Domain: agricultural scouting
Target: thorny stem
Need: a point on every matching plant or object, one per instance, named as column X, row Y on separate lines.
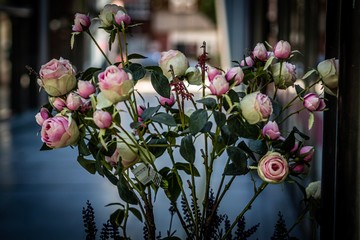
column 97, row 45
column 247, row 207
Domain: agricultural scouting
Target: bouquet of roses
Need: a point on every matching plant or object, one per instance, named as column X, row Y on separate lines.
column 232, row 115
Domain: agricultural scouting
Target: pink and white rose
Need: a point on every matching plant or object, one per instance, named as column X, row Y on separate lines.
column 219, row 85
column 284, row 74
column 42, row 115
column 282, row 50
column 167, row 101
column 82, row 22
column 57, row 77
column 313, row 102
column 176, row 59
column 273, row 167
column 73, row 101
column 260, row 52
column 248, row 61
column 85, row 88
column 122, row 18
column 271, row 130
column 59, row 131
column 58, row 103
column 102, row 119
column 115, row 84
column 108, row 13
column 235, row 73
column 256, row 107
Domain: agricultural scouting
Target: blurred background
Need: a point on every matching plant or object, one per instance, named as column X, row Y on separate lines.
column 42, row 193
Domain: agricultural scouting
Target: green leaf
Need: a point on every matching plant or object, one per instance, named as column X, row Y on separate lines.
column 209, row 102
column 242, row 128
column 112, row 178
column 207, row 127
column 173, row 189
column 198, row 119
column 299, row 90
column 157, row 151
column 161, row 84
column 137, row 71
column 311, row 120
column 228, row 136
column 289, row 142
column 233, row 97
column 164, row 118
column 82, row 147
column 117, row 217
column 220, row 118
column 233, row 170
column 276, row 107
column 186, row 167
column 308, row 74
column 154, row 68
column 242, row 145
column 45, row 147
column 136, row 213
column 268, row 62
column 89, row 73
column 89, row 165
column 258, row 146
column 125, row 193
column 136, row 56
column 238, row 157
column 149, row 112
column 187, row 149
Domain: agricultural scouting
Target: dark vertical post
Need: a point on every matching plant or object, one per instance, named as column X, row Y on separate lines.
column 330, row 127
column 347, row 204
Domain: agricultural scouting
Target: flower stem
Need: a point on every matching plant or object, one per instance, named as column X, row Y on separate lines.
column 247, row 207
column 97, row 45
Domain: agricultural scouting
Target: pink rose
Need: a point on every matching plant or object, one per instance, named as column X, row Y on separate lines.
column 282, row 50
column 260, row 52
column 81, row 22
column 57, row 77
column 102, row 119
column 306, row 153
column 273, row 168
column 85, row 88
column 59, row 131
column 256, row 107
column 73, row 101
column 121, row 16
column 167, row 101
column 108, row 13
column 58, row 103
column 298, row 168
column 212, row 73
column 235, row 73
column 271, row 131
column 247, row 62
column 176, row 59
column 115, row 84
column 312, row 102
column 219, row 86
column 42, row 115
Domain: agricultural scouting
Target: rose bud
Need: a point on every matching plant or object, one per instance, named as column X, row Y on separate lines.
column 73, row 101
column 260, row 52
column 314, row 190
column 235, row 73
column 140, row 110
column 58, row 103
column 85, row 88
column 193, row 76
column 59, row 131
column 286, row 77
column 247, row 62
column 295, row 147
column 219, row 86
column 114, row 159
column 271, row 131
column 282, row 50
column 273, row 168
column 306, row 153
column 212, row 73
column 115, row 84
column 127, row 150
column 107, row 14
column 57, row 77
column 81, row 22
column 85, row 105
column 312, row 102
column 176, row 59
column 329, row 70
column 256, row 107
column 102, row 119
column 42, row 115
column 298, row 168
column 122, row 17
column 167, row 101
